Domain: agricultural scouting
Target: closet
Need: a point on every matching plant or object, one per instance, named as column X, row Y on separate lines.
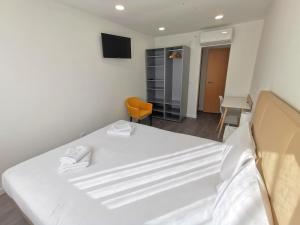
column 167, row 71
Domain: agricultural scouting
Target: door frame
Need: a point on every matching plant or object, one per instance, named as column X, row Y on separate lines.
column 202, row 80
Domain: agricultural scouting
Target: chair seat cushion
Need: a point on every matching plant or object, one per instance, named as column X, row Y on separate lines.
column 144, row 113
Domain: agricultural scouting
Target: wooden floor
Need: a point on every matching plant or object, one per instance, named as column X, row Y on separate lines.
column 10, row 213
column 204, row 126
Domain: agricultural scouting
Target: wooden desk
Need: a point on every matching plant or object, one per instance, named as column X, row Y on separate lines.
column 233, row 103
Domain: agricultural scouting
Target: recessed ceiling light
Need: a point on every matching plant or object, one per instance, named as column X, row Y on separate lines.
column 119, row 7
column 224, row 32
column 219, row 17
column 161, row 28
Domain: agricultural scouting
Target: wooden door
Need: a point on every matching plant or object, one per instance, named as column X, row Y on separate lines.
column 217, row 65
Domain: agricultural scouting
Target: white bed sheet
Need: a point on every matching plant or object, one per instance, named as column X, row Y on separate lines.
column 152, row 177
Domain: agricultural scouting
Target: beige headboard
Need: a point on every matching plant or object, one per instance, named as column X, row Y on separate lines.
column 276, row 130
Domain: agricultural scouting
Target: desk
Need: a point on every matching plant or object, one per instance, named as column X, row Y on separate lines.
column 233, row 103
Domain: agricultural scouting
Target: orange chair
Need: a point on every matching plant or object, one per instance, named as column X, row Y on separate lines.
column 138, row 109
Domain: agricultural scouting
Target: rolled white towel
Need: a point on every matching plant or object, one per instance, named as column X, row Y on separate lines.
column 73, row 155
column 84, row 162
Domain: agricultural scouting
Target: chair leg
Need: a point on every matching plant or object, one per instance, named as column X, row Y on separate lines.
column 130, row 119
column 219, row 123
column 222, row 122
column 150, row 119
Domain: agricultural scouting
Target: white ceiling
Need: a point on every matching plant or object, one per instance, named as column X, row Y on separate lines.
column 178, row 16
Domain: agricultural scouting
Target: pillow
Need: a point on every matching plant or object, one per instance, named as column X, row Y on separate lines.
column 265, row 198
column 241, row 201
column 234, row 158
column 246, row 117
column 242, row 137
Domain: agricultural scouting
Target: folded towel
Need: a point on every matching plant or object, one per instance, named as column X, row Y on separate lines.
column 121, row 128
column 120, row 133
column 84, row 162
column 73, row 155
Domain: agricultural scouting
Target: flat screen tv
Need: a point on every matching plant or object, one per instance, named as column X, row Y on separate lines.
column 115, row 46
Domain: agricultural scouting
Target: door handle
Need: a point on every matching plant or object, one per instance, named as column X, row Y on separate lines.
column 210, row 82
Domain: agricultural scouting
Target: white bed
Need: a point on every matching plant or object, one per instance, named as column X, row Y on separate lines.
column 154, row 176
column 157, row 177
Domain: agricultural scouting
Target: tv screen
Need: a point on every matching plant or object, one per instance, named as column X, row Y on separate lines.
column 115, row 46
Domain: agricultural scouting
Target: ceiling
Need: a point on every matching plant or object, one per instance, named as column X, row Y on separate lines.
column 178, row 16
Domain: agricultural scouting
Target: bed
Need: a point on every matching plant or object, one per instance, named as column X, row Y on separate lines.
column 47, row 197
column 156, row 176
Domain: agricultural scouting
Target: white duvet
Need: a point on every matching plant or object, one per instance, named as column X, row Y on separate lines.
column 153, row 177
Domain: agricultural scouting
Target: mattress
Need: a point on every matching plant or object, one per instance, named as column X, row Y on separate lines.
column 152, row 177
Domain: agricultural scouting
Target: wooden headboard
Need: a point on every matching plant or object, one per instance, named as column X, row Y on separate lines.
column 276, row 130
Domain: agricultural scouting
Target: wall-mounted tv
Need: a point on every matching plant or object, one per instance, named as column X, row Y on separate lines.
column 115, row 46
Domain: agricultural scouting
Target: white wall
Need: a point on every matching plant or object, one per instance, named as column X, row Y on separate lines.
column 277, row 65
column 241, row 62
column 54, row 83
column 242, row 59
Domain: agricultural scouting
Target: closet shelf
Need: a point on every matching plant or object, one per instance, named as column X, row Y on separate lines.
column 158, row 117
column 155, row 56
column 156, row 89
column 175, row 118
column 156, row 100
column 155, row 80
column 172, row 112
column 158, row 110
column 173, row 102
column 175, row 50
column 156, row 66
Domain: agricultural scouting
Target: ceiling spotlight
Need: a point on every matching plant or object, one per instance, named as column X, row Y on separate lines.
column 161, row 28
column 224, row 32
column 219, row 17
column 119, row 7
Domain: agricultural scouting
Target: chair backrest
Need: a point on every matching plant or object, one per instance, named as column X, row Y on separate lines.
column 221, row 108
column 133, row 102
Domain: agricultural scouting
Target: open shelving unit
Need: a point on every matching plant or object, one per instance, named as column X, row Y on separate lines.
column 167, row 72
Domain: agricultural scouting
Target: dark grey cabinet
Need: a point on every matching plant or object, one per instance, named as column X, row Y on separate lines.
column 167, row 78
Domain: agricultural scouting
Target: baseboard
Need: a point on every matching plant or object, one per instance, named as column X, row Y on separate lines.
column 191, row 116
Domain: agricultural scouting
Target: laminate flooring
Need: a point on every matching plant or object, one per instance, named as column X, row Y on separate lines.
column 10, row 213
column 204, row 126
